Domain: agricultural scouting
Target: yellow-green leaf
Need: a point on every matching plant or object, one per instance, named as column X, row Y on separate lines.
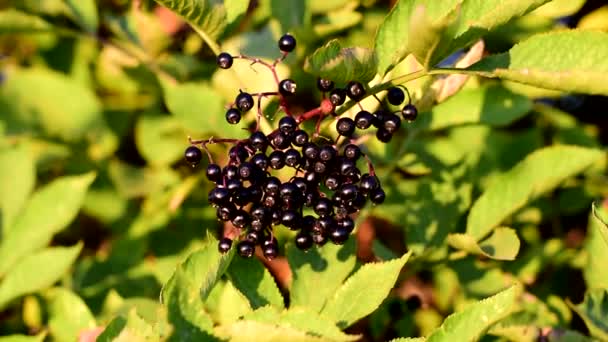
column 503, row 244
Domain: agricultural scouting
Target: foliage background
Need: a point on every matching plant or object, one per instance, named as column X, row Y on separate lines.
column 98, row 208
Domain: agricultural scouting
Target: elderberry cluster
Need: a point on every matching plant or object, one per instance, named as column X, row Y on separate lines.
column 327, row 185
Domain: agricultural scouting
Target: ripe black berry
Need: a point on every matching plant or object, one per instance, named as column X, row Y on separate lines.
column 323, row 207
column 339, row 235
column 226, row 212
column 277, row 159
column 324, row 85
column 287, row 87
column 377, row 196
column 193, row 155
column 233, row 116
column 332, row 182
column 310, row 151
column 347, row 223
column 272, row 185
column 327, row 153
column 291, row 219
column 303, row 240
column 292, row 157
column 214, row 173
column 224, row 60
column 244, row 101
column 355, row 90
column 287, row 124
column 383, row 135
column 337, row 96
column 287, row 43
column 241, row 219
column 364, row 119
column 281, row 140
column 270, row 251
column 218, row 196
column 391, row 123
column 246, row 248
column 368, row 183
column 345, row 127
column 352, row 151
column 395, row 96
column 246, row 170
column 258, row 140
column 238, row 153
column 231, row 172
column 224, row 245
column 300, row 138
column 409, row 112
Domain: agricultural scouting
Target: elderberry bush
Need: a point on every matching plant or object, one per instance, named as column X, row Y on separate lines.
column 330, row 181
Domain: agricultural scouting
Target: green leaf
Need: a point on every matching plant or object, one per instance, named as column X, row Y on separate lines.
column 583, row 69
column 597, row 250
column 430, row 34
column 493, row 105
column 342, row 64
column 199, row 108
column 189, row 286
column 559, row 8
column 392, row 42
column 540, row 172
column 472, row 322
column 68, row 315
column 329, row 266
column 207, row 17
column 255, row 282
column 291, row 14
column 363, row 292
column 602, row 223
column 503, row 244
column 50, row 264
column 23, row 338
column 84, row 12
column 161, row 140
column 17, row 179
column 302, row 319
column 594, row 311
column 408, row 339
column 60, row 107
column 131, row 328
column 247, row 331
column 42, row 217
column 13, row 21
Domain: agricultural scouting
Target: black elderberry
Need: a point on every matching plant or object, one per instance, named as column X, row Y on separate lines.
column 347, row 167
column 224, row 60
column 258, row 141
column 226, row 212
column 347, row 223
column 255, row 194
column 288, row 190
column 238, row 153
column 276, row 216
column 348, row 191
column 358, row 202
column 246, row 248
column 377, row 196
column 310, row 151
column 368, row 183
column 257, row 225
column 324, row 224
column 261, row 161
column 259, row 212
column 214, row 173
column 224, row 245
column 395, row 96
column 270, row 251
column 300, row 183
column 193, row 155
column 271, row 200
column 287, row 43
column 352, row 151
column 324, row 85
column 300, row 138
column 379, row 117
column 332, row 182
column 327, row 153
column 247, row 170
column 233, row 116
column 364, row 119
column 277, row 159
column 383, row 135
column 345, row 127
column 391, row 123
column 409, row 112
column 233, row 185
column 291, row 219
column 254, row 236
column 323, row 207
column 281, row 140
column 303, row 240
column 241, row 219
column 287, row 124
column 230, row 172
column 218, row 196
column 244, row 101
column 310, row 198
column 355, row 90
column 292, row 157
column 287, row 87
column 272, row 186
column 320, row 167
column 319, row 239
column 337, row 96
column 339, row 235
